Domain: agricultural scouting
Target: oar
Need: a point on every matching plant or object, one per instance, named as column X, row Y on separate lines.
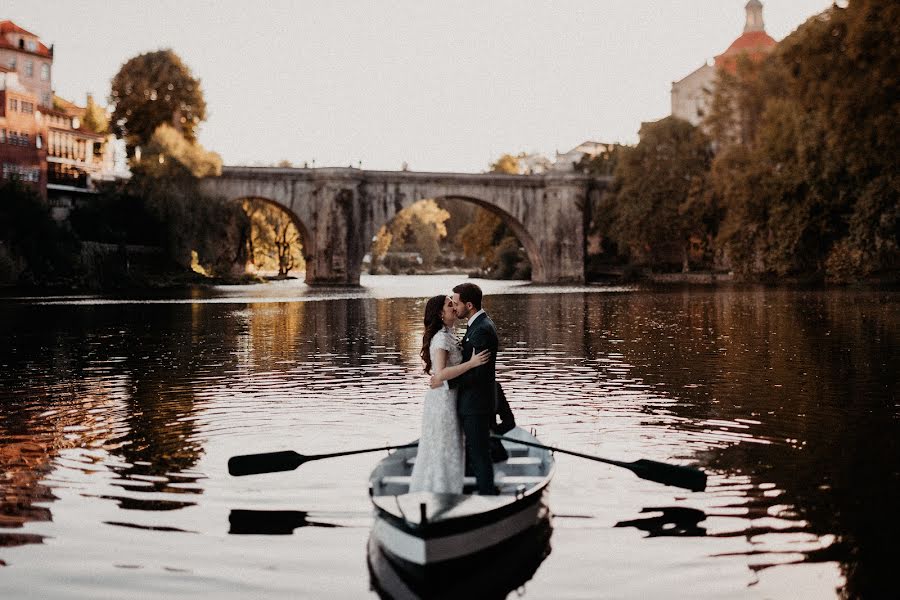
column 651, row 470
column 288, row 460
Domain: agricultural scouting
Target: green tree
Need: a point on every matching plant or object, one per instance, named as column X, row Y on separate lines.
column 155, row 88
column 661, row 207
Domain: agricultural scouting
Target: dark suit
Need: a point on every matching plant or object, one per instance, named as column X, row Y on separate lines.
column 476, row 400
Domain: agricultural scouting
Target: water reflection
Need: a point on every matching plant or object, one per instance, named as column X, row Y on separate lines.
column 490, row 575
column 677, row 521
column 788, row 400
column 271, row 522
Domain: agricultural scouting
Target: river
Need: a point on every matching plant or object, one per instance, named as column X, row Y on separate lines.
column 118, row 415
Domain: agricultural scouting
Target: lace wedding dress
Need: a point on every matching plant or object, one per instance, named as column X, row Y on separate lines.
column 439, row 465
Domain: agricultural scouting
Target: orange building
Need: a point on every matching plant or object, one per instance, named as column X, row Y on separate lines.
column 23, row 153
column 42, row 139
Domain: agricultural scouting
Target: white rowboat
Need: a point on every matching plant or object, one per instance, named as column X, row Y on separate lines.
column 424, row 528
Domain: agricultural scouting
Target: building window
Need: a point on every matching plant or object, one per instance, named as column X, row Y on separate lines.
column 22, row 173
column 27, row 107
column 11, row 63
column 31, row 45
column 45, row 72
column 13, row 105
column 29, row 68
column 2, row 136
column 45, row 99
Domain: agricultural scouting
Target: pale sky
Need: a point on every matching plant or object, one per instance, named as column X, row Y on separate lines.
column 444, row 86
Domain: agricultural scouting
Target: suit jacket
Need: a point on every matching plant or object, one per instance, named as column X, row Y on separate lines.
column 476, row 391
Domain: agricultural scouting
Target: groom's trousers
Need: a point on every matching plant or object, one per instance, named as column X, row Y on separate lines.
column 477, row 429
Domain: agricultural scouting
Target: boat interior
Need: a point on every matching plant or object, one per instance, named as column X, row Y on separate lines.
column 525, row 468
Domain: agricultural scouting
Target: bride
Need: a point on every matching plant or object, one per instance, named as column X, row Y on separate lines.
column 440, row 459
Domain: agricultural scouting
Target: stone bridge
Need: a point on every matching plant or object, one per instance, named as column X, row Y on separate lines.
column 339, row 210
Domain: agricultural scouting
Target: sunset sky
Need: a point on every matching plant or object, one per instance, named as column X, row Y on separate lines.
column 441, row 86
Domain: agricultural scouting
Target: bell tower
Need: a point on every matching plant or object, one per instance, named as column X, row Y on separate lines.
column 754, row 22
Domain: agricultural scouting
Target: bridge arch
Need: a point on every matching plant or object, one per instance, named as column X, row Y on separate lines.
column 307, row 240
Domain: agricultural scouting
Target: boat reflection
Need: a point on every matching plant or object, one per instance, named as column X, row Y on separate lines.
column 490, row 574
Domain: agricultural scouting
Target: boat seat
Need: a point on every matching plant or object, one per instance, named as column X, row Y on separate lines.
column 503, row 480
column 522, row 461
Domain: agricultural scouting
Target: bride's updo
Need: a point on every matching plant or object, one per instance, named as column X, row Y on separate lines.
column 433, row 323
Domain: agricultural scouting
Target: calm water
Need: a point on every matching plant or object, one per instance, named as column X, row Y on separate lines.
column 117, row 417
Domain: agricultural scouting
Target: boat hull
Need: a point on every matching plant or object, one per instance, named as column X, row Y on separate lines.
column 464, row 536
column 490, row 573
column 424, row 528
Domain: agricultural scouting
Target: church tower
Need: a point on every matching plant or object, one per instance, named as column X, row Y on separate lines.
column 754, row 17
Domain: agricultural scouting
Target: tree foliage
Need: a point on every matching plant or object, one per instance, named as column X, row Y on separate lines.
column 169, row 154
column 808, row 140
column 155, row 88
column 419, row 227
column 661, row 206
column 507, row 163
column 34, row 249
column 275, row 241
column 95, row 117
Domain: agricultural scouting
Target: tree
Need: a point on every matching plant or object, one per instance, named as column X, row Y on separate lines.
column 155, row 88
column 419, row 227
column 274, row 239
column 34, row 249
column 660, row 204
column 169, row 154
column 809, row 180
column 507, row 163
column 95, row 117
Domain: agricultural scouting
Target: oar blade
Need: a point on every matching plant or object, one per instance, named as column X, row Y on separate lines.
column 674, row 475
column 268, row 462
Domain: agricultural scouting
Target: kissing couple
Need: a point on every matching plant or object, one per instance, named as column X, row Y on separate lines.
column 459, row 409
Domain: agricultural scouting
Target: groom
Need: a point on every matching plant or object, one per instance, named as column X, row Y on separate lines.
column 476, row 390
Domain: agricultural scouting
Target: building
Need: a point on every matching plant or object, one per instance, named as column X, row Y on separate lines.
column 23, row 153
column 691, row 96
column 566, row 161
column 22, row 52
column 43, row 140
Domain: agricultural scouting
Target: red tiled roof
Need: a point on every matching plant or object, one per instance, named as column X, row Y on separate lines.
column 750, row 42
column 10, row 27
column 755, row 44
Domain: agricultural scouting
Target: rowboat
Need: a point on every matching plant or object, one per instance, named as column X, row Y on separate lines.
column 424, row 532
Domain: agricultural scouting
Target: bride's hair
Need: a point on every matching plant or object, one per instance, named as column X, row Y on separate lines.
column 433, row 323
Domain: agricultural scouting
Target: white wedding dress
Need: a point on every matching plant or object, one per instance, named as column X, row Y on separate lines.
column 440, row 465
